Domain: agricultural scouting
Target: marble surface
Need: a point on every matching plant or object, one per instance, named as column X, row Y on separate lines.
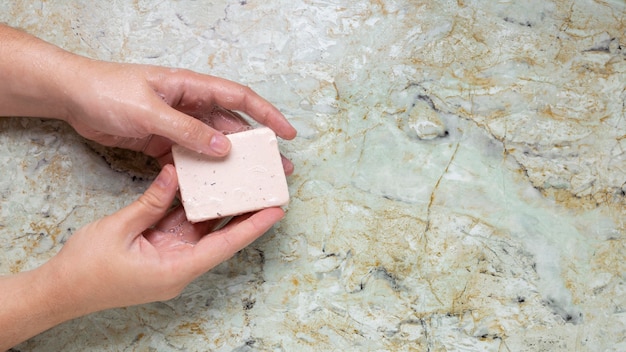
column 460, row 174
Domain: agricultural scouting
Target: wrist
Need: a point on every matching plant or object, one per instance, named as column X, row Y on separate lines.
column 67, row 292
column 55, row 295
column 32, row 302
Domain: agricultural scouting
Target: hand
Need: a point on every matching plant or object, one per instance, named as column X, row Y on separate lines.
column 138, row 107
column 141, row 253
column 147, row 108
column 123, row 260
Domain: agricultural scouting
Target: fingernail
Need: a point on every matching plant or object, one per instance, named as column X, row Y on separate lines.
column 220, row 144
column 164, row 178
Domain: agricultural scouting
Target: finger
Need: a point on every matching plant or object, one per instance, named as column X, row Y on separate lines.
column 234, row 96
column 231, row 122
column 287, row 165
column 151, row 206
column 165, row 159
column 239, row 233
column 228, row 121
column 157, row 146
column 189, row 132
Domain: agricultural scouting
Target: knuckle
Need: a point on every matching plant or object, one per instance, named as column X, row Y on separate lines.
column 247, row 91
column 194, row 129
column 151, row 201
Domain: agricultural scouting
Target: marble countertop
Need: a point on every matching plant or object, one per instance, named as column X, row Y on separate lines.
column 460, row 174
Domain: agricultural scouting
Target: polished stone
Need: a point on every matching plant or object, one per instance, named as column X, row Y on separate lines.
column 459, row 185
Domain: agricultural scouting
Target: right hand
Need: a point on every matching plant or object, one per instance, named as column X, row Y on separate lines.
column 143, row 254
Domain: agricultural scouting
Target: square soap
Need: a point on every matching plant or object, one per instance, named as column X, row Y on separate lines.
column 249, row 178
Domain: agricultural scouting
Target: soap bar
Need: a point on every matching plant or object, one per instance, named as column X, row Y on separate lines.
column 249, row 178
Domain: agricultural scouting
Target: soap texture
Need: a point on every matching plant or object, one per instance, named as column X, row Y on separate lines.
column 249, row 178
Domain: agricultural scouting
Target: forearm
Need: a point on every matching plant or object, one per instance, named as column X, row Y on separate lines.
column 32, row 73
column 32, row 302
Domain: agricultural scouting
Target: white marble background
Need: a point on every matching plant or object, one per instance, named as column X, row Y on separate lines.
column 460, row 174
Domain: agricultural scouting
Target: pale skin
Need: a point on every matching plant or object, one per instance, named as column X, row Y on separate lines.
column 129, row 257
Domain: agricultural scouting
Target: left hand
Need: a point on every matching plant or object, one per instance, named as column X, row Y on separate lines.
column 148, row 108
column 139, row 107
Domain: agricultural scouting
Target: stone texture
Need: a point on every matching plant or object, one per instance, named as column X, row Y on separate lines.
column 504, row 232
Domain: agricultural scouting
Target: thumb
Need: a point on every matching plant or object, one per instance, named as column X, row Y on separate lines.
column 151, row 206
column 191, row 133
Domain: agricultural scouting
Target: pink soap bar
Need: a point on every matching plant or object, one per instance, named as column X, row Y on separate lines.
column 249, row 178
